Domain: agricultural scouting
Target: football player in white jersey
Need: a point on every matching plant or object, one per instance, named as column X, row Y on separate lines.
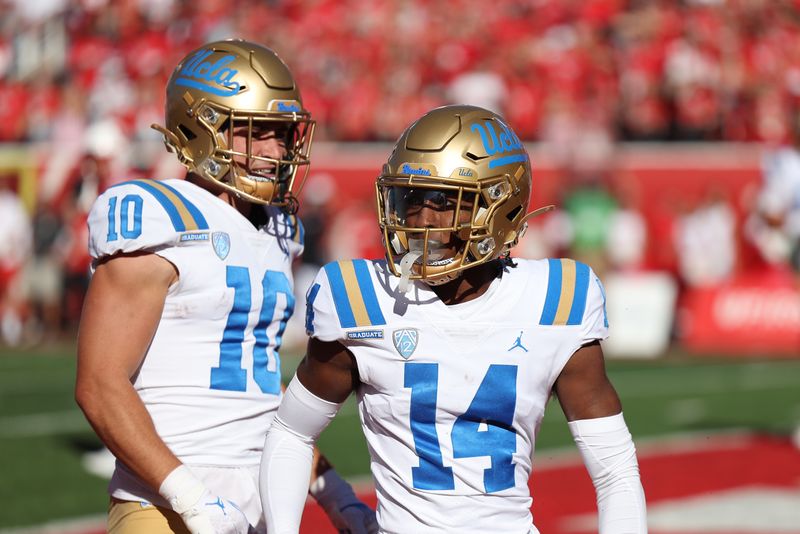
column 453, row 349
column 178, row 364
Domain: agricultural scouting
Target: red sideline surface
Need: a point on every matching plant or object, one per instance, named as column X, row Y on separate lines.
column 562, row 489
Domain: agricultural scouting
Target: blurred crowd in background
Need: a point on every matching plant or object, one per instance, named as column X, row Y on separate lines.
column 82, row 80
column 631, row 70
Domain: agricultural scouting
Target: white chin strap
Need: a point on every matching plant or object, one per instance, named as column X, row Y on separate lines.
column 405, row 270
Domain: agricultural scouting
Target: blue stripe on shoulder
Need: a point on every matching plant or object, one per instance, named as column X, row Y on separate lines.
column 196, row 214
column 339, row 292
column 162, row 199
column 310, row 298
column 553, row 292
column 166, row 203
column 368, row 292
column 581, row 290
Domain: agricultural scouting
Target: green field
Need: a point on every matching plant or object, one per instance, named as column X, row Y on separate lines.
column 43, row 434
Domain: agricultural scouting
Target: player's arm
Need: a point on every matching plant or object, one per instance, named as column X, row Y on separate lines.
column 594, row 413
column 325, row 378
column 121, row 314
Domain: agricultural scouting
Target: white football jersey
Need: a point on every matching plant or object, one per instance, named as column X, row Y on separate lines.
column 211, row 378
column 452, row 396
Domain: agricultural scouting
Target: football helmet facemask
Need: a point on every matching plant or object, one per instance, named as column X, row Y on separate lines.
column 235, row 86
column 468, row 166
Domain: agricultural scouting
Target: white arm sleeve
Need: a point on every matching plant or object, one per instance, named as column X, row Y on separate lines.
column 610, row 457
column 288, row 454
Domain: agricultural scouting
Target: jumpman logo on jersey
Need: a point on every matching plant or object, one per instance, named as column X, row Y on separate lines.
column 518, row 344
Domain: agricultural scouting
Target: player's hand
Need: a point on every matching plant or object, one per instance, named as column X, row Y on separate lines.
column 212, row 514
column 355, row 518
column 201, row 511
column 348, row 514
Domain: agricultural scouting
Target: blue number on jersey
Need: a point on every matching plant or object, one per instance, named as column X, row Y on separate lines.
column 423, row 379
column 274, row 282
column 130, row 229
column 493, row 406
column 230, row 375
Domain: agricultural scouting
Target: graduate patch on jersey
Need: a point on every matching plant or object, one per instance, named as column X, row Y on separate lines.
column 353, row 294
column 221, row 242
column 567, row 288
column 188, row 238
column 365, row 334
column 405, row 341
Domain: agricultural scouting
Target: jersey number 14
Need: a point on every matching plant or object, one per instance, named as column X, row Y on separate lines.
column 483, row 430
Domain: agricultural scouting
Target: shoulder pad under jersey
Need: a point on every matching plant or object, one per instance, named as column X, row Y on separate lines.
column 141, row 215
column 575, row 297
column 342, row 297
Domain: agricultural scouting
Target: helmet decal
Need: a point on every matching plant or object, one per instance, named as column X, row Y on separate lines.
column 198, row 74
column 418, row 169
column 506, row 142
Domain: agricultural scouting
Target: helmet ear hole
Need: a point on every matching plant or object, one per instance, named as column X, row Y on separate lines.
column 187, row 133
column 511, row 215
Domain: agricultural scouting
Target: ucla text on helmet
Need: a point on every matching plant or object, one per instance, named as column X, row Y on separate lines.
column 504, row 143
column 201, row 74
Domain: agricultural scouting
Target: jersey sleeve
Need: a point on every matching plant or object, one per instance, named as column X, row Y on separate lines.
column 575, row 298
column 595, row 319
column 322, row 320
column 343, row 305
column 140, row 215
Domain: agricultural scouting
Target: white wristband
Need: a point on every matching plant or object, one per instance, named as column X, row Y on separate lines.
column 182, row 489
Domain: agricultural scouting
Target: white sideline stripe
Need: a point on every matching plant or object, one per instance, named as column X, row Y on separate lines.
column 753, row 509
column 42, row 424
column 67, row 526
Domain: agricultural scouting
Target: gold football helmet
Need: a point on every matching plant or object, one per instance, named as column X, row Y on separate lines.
column 235, row 85
column 466, row 163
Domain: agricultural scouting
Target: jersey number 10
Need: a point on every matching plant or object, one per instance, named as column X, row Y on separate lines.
column 230, row 375
column 483, row 430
